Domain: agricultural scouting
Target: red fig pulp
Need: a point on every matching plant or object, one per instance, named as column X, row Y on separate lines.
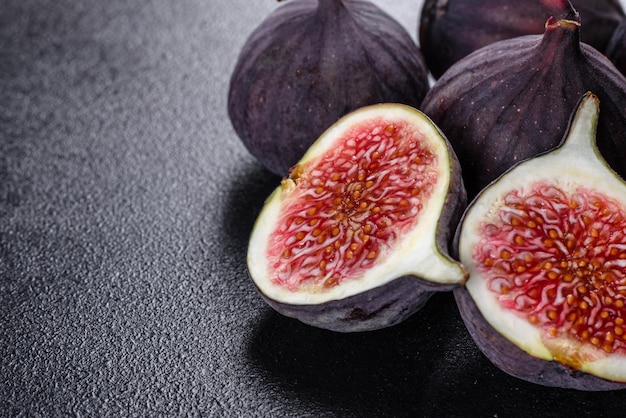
column 511, row 100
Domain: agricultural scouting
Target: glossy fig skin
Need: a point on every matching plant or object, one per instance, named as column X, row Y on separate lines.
column 517, row 363
column 616, row 50
column 308, row 64
column 449, row 30
column 512, row 100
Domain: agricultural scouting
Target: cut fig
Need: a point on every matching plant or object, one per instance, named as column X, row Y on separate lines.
column 311, row 62
column 357, row 237
column 511, row 100
column 545, row 247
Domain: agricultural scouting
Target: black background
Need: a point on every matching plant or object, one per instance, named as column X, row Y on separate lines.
column 126, row 201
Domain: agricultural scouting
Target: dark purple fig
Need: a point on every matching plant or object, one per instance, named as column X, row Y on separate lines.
column 616, row 50
column 357, row 237
column 310, row 63
column 511, row 100
column 451, row 29
column 544, row 245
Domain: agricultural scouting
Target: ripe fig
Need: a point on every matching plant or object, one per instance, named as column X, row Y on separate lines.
column 616, row 50
column 451, row 29
column 544, row 245
column 512, row 100
column 357, row 237
column 311, row 62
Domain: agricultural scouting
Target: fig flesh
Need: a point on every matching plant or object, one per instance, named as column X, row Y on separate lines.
column 311, row 62
column 512, row 100
column 357, row 237
column 451, row 29
column 545, row 249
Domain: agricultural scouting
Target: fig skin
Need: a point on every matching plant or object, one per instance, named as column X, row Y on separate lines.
column 503, row 353
column 449, row 30
column 309, row 63
column 616, row 50
column 400, row 295
column 511, row 100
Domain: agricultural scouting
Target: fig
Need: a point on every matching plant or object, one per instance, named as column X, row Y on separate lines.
column 356, row 238
column 512, row 99
column 544, row 246
column 309, row 63
column 616, row 50
column 451, row 29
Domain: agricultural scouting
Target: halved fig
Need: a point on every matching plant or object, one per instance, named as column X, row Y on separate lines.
column 545, row 247
column 357, row 237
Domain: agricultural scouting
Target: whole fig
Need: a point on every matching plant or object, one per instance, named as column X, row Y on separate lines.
column 308, row 64
column 544, row 246
column 512, row 99
column 357, row 237
column 449, row 30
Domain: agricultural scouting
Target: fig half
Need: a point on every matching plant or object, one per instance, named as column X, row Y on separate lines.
column 357, row 237
column 545, row 246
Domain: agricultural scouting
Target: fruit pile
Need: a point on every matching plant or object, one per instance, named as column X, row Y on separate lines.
column 500, row 181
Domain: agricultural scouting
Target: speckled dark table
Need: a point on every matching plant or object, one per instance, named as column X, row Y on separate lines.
column 126, row 201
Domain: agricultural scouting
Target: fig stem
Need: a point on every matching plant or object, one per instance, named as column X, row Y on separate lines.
column 553, row 23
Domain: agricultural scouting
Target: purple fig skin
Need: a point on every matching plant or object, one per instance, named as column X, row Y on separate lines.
column 516, row 362
column 512, row 100
column 449, row 30
column 616, row 50
column 306, row 65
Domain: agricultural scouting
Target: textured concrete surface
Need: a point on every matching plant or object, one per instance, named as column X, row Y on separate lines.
column 126, row 201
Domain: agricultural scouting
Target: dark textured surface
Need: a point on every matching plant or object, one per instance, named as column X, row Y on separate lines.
column 126, row 201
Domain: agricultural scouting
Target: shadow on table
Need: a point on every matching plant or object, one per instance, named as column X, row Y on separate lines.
column 412, row 368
